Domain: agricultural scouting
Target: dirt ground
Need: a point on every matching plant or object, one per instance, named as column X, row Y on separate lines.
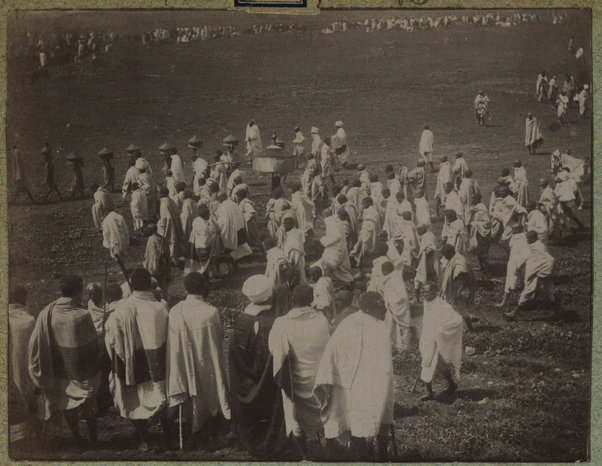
column 525, row 394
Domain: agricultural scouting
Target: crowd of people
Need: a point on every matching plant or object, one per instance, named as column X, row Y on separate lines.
column 438, row 22
column 80, row 46
column 310, row 354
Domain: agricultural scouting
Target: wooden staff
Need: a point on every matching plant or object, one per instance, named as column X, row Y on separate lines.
column 123, row 269
column 104, row 290
column 180, row 423
column 393, row 441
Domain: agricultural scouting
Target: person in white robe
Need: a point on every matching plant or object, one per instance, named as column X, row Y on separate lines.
column 533, row 135
column 567, row 193
column 293, row 247
column 335, row 262
column 103, row 202
column 115, row 235
column 356, row 195
column 327, row 160
column 481, row 107
column 188, row 213
column 548, row 204
column 552, row 89
column 296, row 342
column 234, row 180
column 323, row 292
column 538, row 222
column 541, row 86
column 274, row 210
column 522, row 183
column 539, row 267
column 231, row 228
column 311, row 170
column 202, row 244
column 393, row 184
column 304, row 209
column 459, row 168
column 425, row 147
column 298, row 147
column 583, row 99
column 250, row 215
column 253, row 139
column 139, row 206
column 454, row 232
column 276, row 262
column 393, row 290
column 423, row 213
column 445, row 175
column 199, row 169
column 339, row 144
column 428, row 260
column 219, row 172
column 354, row 382
column 392, row 218
column 21, row 390
column 364, row 176
column 170, row 184
column 368, row 232
column 515, row 269
column 131, row 177
column 562, row 106
column 440, row 341
column 469, row 187
column 169, row 210
column 136, row 338
column 196, row 374
column 316, row 143
column 176, row 167
column 408, row 235
column 145, row 180
column 453, row 201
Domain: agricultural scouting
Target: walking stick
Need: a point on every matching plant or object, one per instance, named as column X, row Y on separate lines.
column 123, row 269
column 104, row 290
column 395, row 453
column 415, row 382
column 180, row 423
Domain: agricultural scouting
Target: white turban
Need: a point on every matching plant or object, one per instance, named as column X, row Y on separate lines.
column 339, row 124
column 258, row 288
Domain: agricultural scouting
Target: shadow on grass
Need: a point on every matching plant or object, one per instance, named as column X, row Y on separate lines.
column 469, row 394
column 400, row 412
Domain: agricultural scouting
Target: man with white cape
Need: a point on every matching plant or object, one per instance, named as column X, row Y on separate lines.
column 335, row 257
column 231, row 228
column 354, row 384
column 101, row 206
column 522, row 183
column 253, row 139
column 297, row 341
column 202, row 244
column 539, row 267
column 136, row 338
column 304, row 209
column 115, row 234
column 196, row 374
column 445, row 175
column 425, row 148
column 339, row 144
column 440, row 341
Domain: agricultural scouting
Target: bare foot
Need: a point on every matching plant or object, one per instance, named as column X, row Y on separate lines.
column 427, row 397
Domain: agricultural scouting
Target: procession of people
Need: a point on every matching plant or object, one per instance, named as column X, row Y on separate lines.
column 351, row 250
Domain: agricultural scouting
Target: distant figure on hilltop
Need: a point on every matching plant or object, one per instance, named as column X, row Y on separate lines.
column 481, row 106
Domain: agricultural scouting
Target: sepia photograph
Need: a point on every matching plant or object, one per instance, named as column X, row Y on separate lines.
column 360, row 235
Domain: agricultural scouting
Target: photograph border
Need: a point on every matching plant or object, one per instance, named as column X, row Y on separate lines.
column 296, row 7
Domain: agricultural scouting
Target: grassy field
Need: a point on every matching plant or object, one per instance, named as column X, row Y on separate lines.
column 525, row 395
